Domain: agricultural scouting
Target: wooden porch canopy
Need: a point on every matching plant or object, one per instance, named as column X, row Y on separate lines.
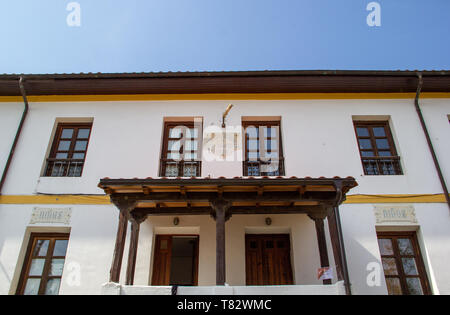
column 246, row 195
column 222, row 197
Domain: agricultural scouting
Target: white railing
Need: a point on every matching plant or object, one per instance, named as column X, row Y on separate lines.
column 118, row 289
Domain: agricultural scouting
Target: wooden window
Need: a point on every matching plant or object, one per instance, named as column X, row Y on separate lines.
column 377, row 149
column 68, row 151
column 176, row 260
column 402, row 263
column 44, row 263
column 263, row 149
column 181, row 152
column 268, row 260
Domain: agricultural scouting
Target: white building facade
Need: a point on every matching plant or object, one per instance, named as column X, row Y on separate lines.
column 59, row 229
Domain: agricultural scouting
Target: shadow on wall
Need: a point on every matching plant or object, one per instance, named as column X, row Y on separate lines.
column 365, row 269
column 4, row 277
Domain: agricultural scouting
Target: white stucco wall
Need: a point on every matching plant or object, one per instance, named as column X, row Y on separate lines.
column 318, row 140
column 10, row 115
column 91, row 245
column 360, row 228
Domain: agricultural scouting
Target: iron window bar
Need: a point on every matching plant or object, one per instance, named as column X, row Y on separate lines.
column 64, row 167
column 256, row 167
column 389, row 165
column 180, row 168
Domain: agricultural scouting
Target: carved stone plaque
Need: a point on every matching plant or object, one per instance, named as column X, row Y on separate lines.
column 395, row 214
column 51, row 215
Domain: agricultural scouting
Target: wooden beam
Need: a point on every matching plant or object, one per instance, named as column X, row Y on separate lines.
column 335, row 244
column 301, row 190
column 220, row 208
column 322, row 243
column 114, row 274
column 226, row 182
column 282, row 196
column 136, row 218
column 125, row 205
column 132, row 253
column 260, row 190
column 235, row 210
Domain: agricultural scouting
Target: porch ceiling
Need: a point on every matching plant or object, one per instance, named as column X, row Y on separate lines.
column 247, row 195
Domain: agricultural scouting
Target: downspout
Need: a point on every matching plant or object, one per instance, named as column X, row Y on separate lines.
column 16, row 138
column 345, row 274
column 427, row 136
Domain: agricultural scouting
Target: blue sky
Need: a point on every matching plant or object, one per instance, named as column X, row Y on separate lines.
column 213, row 35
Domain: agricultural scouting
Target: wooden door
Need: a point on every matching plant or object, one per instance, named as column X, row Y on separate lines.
column 175, row 260
column 268, row 260
column 161, row 265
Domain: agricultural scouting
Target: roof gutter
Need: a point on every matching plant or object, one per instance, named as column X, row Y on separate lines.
column 18, row 132
column 427, row 136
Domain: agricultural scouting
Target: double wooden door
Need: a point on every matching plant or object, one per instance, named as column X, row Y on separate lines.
column 268, row 259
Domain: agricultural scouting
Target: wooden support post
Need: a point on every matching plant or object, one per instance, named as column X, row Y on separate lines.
column 136, row 221
column 221, row 215
column 322, row 242
column 124, row 206
column 334, row 236
column 220, row 247
column 114, row 274
column 132, row 253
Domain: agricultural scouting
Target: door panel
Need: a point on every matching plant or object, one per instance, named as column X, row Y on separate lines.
column 253, row 259
column 175, row 260
column 268, row 260
column 161, row 266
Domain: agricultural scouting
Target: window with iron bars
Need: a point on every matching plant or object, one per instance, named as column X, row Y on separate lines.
column 181, row 153
column 263, row 149
column 68, row 152
column 377, row 149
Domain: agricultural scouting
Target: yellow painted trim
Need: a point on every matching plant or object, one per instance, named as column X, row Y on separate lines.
column 218, row 96
column 56, row 199
column 104, row 200
column 411, row 198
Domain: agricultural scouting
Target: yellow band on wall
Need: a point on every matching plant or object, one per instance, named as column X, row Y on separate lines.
column 407, row 198
column 56, row 199
column 219, row 96
column 104, row 200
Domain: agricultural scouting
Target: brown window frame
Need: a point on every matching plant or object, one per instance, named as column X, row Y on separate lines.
column 164, row 161
column 422, row 273
column 163, row 278
column 66, row 163
column 24, row 276
column 378, row 164
column 247, row 163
